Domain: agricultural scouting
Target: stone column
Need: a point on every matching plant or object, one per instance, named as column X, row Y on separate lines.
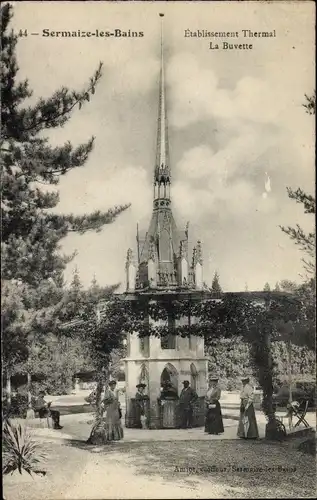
column 130, row 272
column 151, row 267
column 183, row 264
column 198, row 266
column 154, row 393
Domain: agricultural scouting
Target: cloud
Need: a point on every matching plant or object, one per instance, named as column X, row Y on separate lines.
column 197, row 93
column 233, row 117
column 102, row 192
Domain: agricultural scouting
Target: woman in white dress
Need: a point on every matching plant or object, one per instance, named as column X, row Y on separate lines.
column 247, row 428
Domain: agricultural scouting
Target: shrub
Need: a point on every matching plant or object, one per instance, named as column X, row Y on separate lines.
column 233, row 384
column 309, row 388
column 301, row 392
column 20, row 451
column 17, row 408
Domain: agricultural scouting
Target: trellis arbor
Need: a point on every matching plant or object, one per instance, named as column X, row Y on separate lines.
column 259, row 317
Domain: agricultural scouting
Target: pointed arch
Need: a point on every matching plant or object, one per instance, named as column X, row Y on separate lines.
column 144, row 376
column 170, row 374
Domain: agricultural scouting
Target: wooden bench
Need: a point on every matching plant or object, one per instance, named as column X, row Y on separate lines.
column 45, row 422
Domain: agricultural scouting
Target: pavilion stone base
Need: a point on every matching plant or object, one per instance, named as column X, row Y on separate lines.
column 155, row 414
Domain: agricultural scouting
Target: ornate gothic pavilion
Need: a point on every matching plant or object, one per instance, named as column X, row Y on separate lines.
column 163, row 266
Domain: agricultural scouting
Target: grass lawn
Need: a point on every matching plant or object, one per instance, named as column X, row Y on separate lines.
column 285, row 472
column 72, row 409
column 216, row 465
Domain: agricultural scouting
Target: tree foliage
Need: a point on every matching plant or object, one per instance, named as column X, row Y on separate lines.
column 215, row 285
column 31, row 231
column 305, row 241
column 231, row 359
column 310, row 104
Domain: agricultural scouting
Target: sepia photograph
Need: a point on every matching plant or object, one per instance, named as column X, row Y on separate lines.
column 158, row 249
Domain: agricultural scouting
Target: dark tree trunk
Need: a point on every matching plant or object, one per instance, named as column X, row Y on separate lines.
column 261, row 355
column 97, row 432
column 273, row 430
column 8, row 387
column 29, row 382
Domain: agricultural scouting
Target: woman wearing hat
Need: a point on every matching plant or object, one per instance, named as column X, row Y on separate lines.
column 108, row 427
column 213, row 421
column 247, row 428
column 140, row 407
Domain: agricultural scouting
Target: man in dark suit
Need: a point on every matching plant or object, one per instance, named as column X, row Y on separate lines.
column 44, row 410
column 187, row 399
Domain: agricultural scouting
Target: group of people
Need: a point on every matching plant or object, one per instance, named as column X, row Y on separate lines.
column 108, row 426
column 247, row 427
column 185, row 401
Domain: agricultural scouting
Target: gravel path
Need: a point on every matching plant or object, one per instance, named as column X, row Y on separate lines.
column 103, row 478
column 140, row 468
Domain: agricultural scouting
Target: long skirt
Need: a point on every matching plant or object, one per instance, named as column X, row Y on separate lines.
column 141, row 412
column 248, row 428
column 137, row 417
column 213, row 420
column 169, row 414
column 106, row 430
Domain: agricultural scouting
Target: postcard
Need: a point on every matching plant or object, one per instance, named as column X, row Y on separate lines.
column 158, row 249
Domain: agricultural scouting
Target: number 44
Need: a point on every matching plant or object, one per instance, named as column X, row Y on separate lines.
column 23, row 33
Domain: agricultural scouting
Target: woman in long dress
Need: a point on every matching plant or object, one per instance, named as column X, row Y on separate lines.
column 108, row 427
column 141, row 401
column 247, row 428
column 213, row 420
column 168, row 402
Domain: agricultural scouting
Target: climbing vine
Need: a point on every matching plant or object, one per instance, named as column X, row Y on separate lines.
column 256, row 319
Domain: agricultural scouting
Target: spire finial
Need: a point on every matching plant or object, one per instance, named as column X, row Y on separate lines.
column 162, row 35
column 162, row 170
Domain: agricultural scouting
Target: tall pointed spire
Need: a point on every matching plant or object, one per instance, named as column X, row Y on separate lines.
column 162, row 242
column 162, row 168
column 163, row 259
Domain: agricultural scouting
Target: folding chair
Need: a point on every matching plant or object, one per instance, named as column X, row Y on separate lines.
column 287, row 417
column 300, row 414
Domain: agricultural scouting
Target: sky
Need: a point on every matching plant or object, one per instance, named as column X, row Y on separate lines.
column 238, row 133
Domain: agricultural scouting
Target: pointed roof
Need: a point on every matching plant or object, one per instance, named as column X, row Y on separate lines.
column 163, row 239
column 162, row 167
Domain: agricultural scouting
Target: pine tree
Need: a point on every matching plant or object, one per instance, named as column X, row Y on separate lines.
column 267, row 287
column 277, row 287
column 31, row 231
column 76, row 285
column 305, row 241
column 94, row 283
column 215, row 285
column 310, row 104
